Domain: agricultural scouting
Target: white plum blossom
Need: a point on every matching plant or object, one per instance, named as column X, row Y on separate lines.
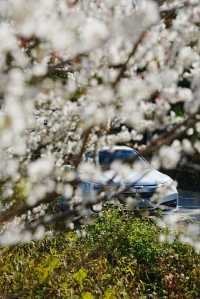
column 169, row 156
column 40, row 168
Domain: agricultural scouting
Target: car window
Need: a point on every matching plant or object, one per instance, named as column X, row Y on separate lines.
column 107, row 157
column 125, row 156
column 89, row 156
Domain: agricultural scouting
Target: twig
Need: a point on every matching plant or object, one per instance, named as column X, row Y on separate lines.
column 124, row 65
column 85, row 137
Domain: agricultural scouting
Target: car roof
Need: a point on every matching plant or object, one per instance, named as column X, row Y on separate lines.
column 116, row 148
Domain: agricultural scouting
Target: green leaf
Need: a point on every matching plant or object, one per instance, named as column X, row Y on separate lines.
column 80, row 276
column 110, row 294
column 87, row 295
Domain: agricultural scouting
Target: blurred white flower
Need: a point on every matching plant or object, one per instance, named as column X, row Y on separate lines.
column 40, row 168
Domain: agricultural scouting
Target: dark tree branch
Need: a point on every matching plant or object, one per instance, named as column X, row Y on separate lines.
column 123, row 67
column 85, row 138
column 166, row 138
column 19, row 209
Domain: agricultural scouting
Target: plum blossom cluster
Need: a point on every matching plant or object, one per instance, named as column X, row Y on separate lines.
column 78, row 75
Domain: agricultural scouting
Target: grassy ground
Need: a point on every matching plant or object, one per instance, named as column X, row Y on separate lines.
column 120, row 257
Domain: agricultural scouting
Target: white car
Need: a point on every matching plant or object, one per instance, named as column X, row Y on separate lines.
column 152, row 187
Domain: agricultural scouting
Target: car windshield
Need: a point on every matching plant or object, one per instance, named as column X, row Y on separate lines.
column 106, row 157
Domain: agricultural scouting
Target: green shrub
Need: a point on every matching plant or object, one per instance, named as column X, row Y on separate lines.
column 120, row 257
